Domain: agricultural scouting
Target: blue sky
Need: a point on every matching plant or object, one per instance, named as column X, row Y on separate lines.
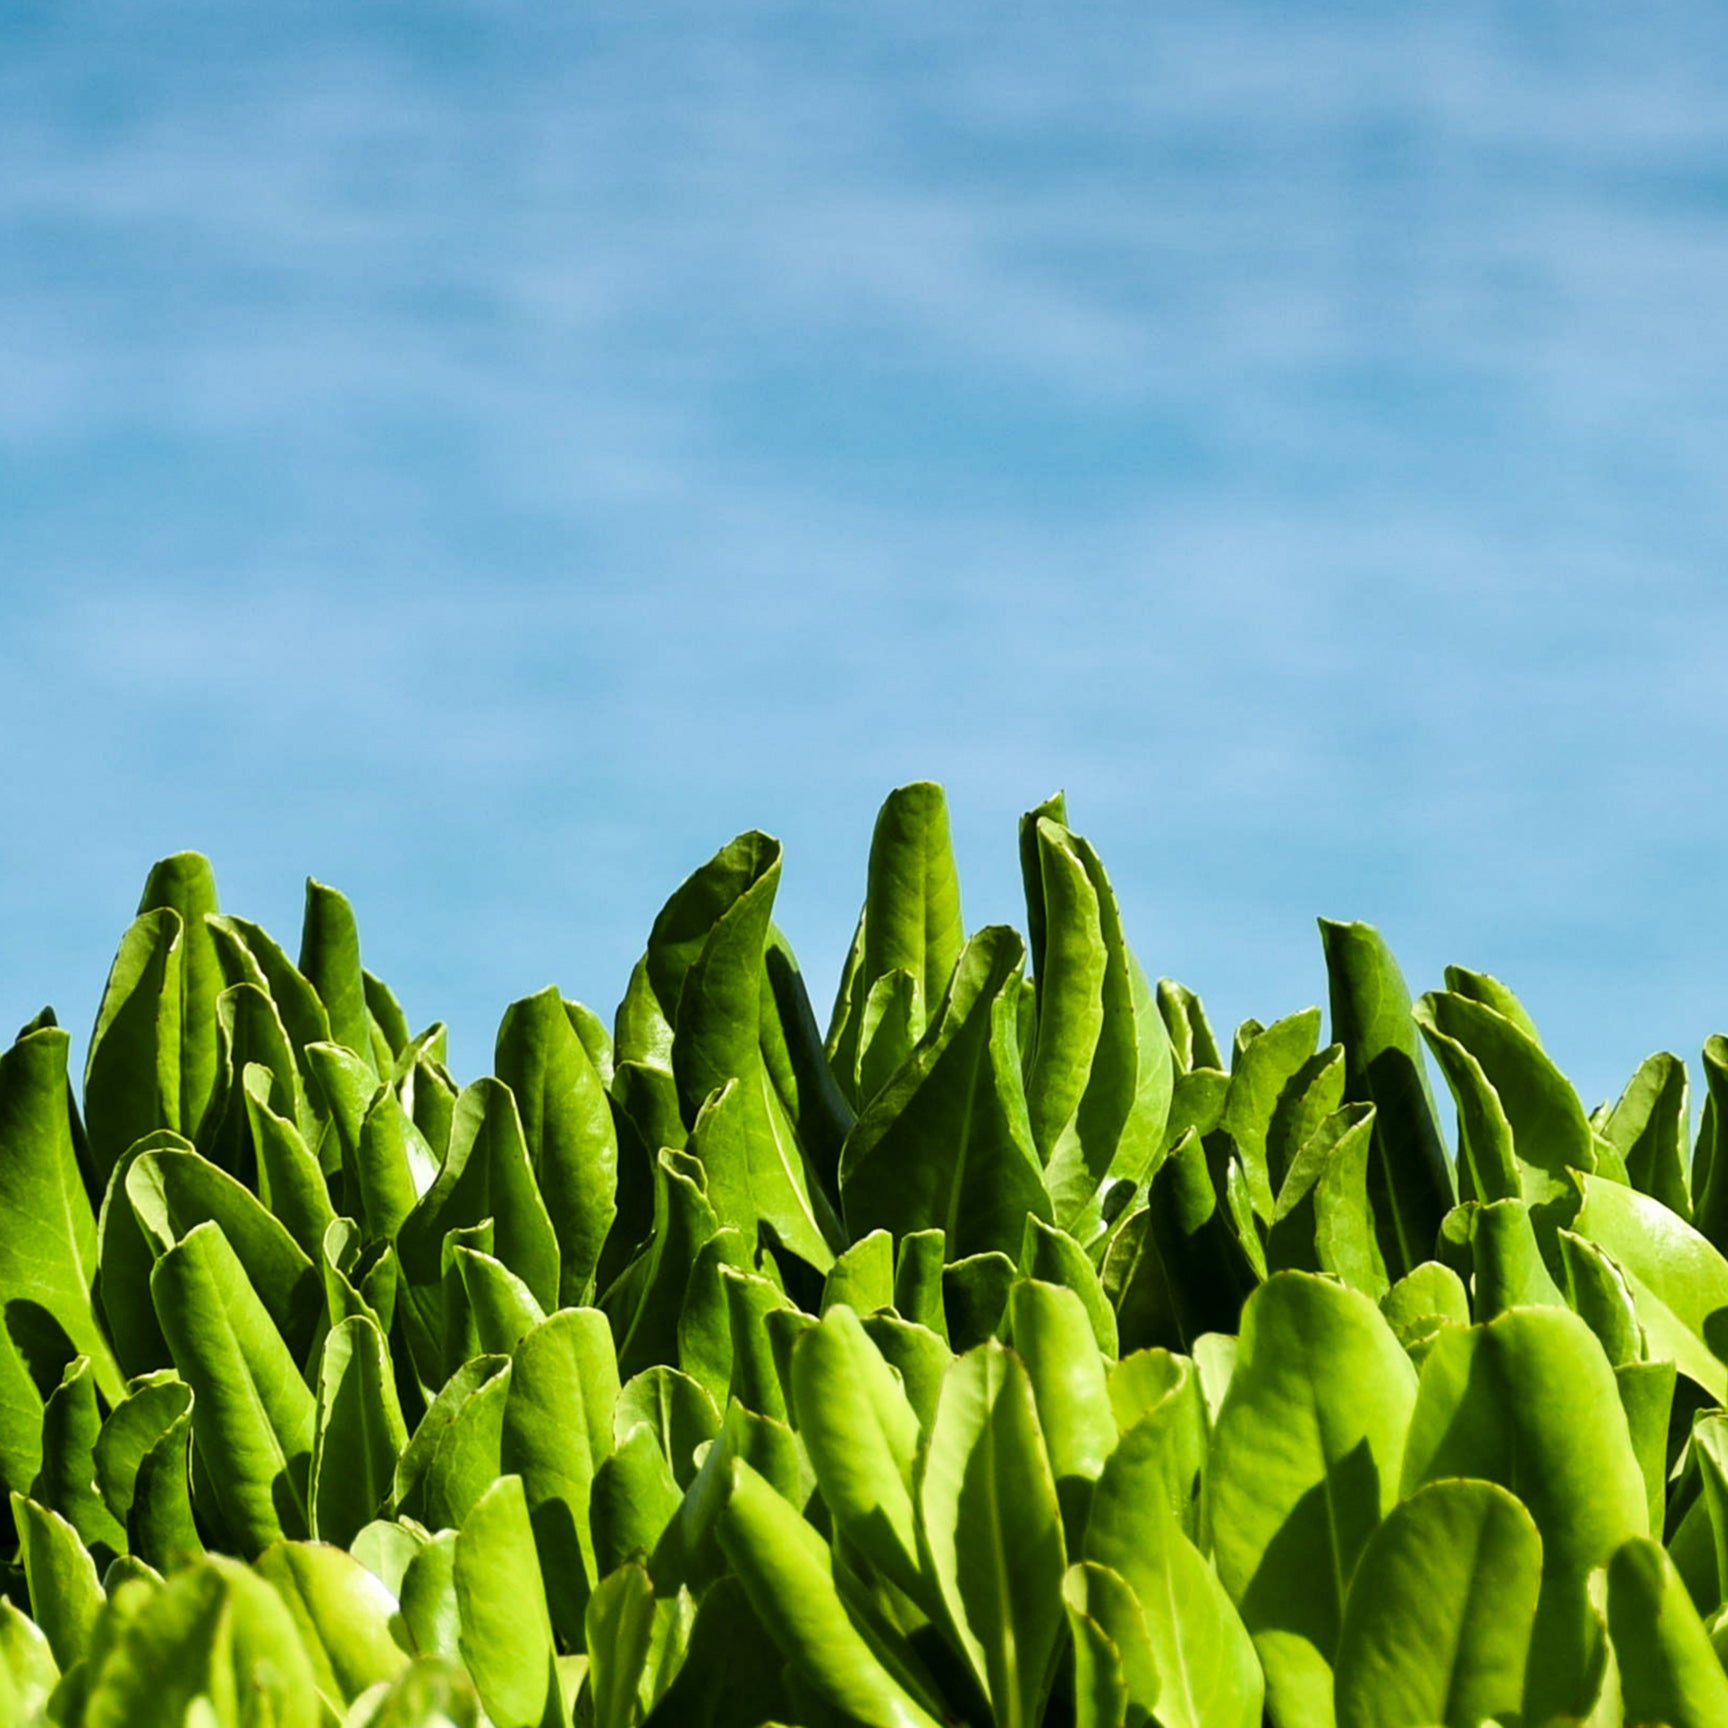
column 485, row 459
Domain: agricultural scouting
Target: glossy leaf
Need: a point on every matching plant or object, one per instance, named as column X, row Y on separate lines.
column 1462, row 1562
column 993, row 1529
column 1668, row 1670
column 1370, row 1008
column 1648, row 1128
column 506, row 1636
column 330, row 962
column 132, row 1077
column 862, row 1437
column 360, row 1433
column 342, row 1614
column 252, row 1414
column 947, row 1144
column 51, row 1265
column 1208, row 1675
column 1529, row 1401
column 1099, row 1082
column 65, row 1594
column 557, row 1432
column 216, row 1632
column 1305, row 1462
column 787, row 1571
column 1679, row 1282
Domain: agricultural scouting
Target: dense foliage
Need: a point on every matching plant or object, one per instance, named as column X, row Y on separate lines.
column 1008, row 1355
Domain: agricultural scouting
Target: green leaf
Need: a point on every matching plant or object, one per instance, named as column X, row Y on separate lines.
column 468, row 1447
column 506, row 1636
column 918, row 1263
column 1055, row 1257
column 186, row 883
column 1679, row 1282
column 501, row 1306
column 1157, row 1397
column 387, row 1015
column 1551, row 1136
column 1305, row 1461
column 1324, row 1220
column 1109, row 1635
column 975, row 1297
column 135, row 1424
column 1176, row 1269
column 28, row 1661
column 1598, row 1293
column 51, row 1265
column 633, row 1499
column 1648, row 1128
column 1192, row 1045
column 797, row 1065
column 917, row 1355
column 557, row 1432
column 705, row 1320
column 1053, row 1338
column 486, row 1175
column 683, row 1222
column 159, row 1524
column 947, row 1144
column 173, row 1191
column 431, row 1692
column 1268, row 1064
column 360, row 1433
column 1528, row 1401
column 433, row 1429
column 250, row 1034
column 863, row 1277
column 862, row 1437
column 252, row 1414
column 1208, row 1676
column 343, row 1616
column 1099, row 1081
column 66, row 1483
column 330, row 961
column 787, row 1571
column 1427, row 1297
column 132, row 1077
column 250, row 955
column 912, row 902
column 290, row 1182
column 213, row 1632
column 567, row 1122
column 429, row 1607
column 620, row 1635
column 717, row 1017
column 731, row 1675
column 1710, row 1161
column 993, row 1529
column 1509, row 1269
column 65, row 1595
column 1647, row 1396
column 1668, row 1671
column 1461, row 1561
column 910, row 932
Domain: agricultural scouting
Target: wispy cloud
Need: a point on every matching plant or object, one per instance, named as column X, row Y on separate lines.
column 488, row 457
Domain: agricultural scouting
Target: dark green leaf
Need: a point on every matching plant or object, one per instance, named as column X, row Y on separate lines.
column 132, row 1078
column 947, row 1144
